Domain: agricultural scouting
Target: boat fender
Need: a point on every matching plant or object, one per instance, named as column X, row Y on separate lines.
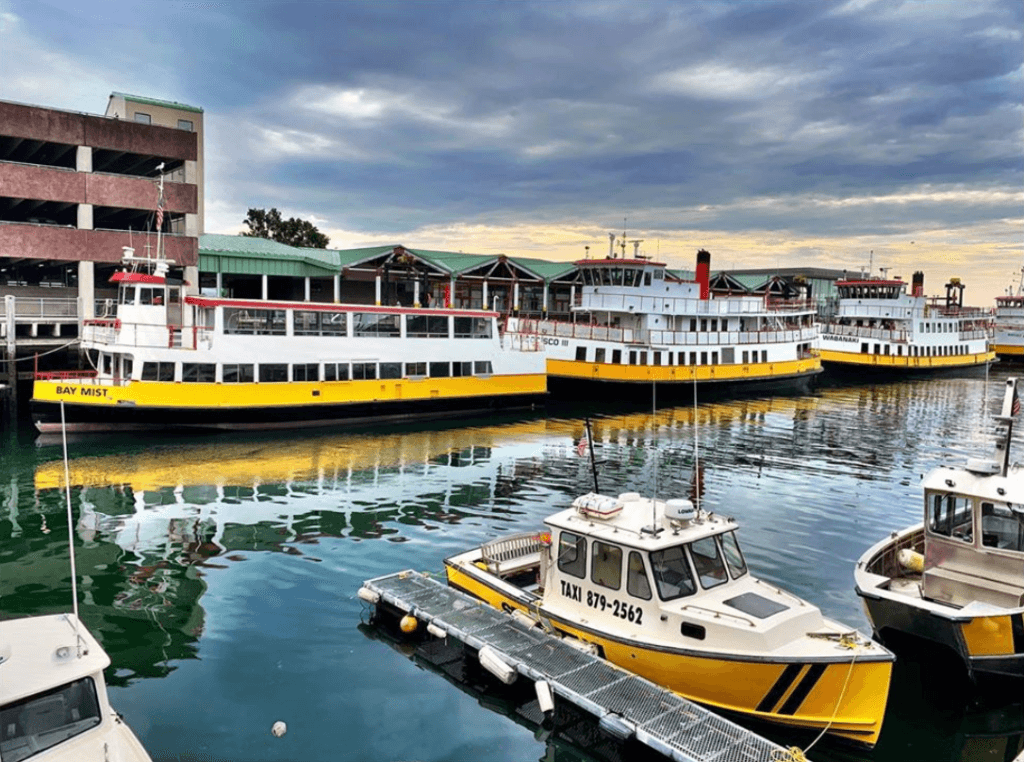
column 910, row 560
column 523, row 618
column 408, row 624
column 436, row 631
column 278, row 729
column 617, row 726
column 493, row 663
column 544, row 699
column 368, row 595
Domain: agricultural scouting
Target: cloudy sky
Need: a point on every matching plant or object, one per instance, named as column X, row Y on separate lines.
column 774, row 134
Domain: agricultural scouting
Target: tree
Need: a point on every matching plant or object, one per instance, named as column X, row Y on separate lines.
column 293, row 231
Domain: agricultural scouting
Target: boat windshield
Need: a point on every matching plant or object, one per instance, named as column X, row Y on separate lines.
column 1002, row 526
column 672, row 573
column 733, row 556
column 707, row 560
column 47, row 719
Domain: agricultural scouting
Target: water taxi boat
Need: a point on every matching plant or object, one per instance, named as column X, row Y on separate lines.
column 957, row 578
column 663, row 590
column 169, row 360
column 53, row 699
column 637, row 323
column 1009, row 324
column 878, row 326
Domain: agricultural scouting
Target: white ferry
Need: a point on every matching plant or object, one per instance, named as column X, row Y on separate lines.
column 878, row 326
column 663, row 590
column 53, row 699
column 1009, row 324
column 170, row 360
column 957, row 578
column 636, row 324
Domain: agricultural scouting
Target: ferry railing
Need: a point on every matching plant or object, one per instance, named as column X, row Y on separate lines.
column 65, row 375
column 742, row 305
column 108, row 331
column 899, row 336
column 739, row 338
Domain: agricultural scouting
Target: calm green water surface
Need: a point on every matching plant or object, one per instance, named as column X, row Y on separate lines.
column 220, row 572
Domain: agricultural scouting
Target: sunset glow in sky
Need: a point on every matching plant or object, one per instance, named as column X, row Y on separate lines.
column 774, row 134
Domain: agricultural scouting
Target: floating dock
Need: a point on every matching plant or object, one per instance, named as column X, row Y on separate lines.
column 625, row 705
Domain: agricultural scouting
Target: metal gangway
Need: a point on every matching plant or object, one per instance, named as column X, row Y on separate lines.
column 624, row 704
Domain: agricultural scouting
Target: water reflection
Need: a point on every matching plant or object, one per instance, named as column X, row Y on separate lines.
column 161, row 524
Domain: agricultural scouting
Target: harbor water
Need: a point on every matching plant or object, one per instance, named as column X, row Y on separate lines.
column 220, row 571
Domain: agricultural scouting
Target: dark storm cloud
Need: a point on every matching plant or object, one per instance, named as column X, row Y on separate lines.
column 431, row 112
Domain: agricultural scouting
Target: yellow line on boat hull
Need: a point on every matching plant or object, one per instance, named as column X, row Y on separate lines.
column 743, row 686
column 576, row 369
column 904, row 362
column 170, row 394
column 989, row 635
column 1009, row 350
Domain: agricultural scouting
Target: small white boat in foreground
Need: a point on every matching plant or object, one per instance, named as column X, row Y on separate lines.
column 663, row 590
column 957, row 578
column 53, row 699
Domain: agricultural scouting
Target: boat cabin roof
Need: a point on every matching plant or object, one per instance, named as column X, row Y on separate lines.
column 617, row 262
column 870, row 289
column 629, row 519
column 994, row 487
column 38, row 653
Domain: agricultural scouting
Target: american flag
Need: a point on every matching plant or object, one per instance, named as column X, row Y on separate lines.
column 160, row 212
column 581, row 448
column 1015, row 405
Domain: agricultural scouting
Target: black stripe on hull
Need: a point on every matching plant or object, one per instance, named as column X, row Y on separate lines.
column 782, row 685
column 1017, row 624
column 567, row 387
column 97, row 417
column 796, row 698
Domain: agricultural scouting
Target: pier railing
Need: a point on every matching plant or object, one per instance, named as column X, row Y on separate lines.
column 28, row 309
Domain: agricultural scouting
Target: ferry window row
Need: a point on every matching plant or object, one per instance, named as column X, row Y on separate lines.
column 914, row 350
column 619, row 276
column 709, row 561
column 640, row 357
column 1002, row 525
column 258, row 322
column 270, row 373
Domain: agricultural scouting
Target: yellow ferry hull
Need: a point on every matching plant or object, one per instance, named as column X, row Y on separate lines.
column 797, row 693
column 89, row 404
column 1016, row 351
column 682, row 374
column 905, row 363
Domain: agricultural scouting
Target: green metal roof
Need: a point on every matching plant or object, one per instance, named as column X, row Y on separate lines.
column 544, row 269
column 157, row 102
column 242, row 255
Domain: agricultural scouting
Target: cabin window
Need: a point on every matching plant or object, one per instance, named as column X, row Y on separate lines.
column 1002, row 526
column 647, row 279
column 637, row 583
column 606, row 565
column 306, row 372
column 599, row 355
column 472, row 328
column 105, row 363
column 764, row 355
column 126, row 367
column 415, row 369
column 572, row 554
column 440, row 370
column 375, row 324
column 483, row 368
column 314, row 323
column 632, row 357
column 617, row 357
column 198, row 372
column 581, row 354
column 336, row 371
column 254, row 322
column 951, row 516
column 237, row 374
column 47, row 719
column 391, row 370
column 157, row 371
column 708, row 562
column 273, row 373
column 460, row 369
column 672, row 574
column 151, row 295
column 429, row 326
column 728, row 356
column 733, row 556
column 362, row 371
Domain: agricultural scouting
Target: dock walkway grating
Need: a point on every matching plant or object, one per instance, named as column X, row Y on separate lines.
column 624, row 703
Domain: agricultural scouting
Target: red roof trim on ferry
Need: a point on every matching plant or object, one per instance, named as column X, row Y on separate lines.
column 1010, row 298
column 609, row 261
column 256, row 304
column 871, row 283
column 123, row 277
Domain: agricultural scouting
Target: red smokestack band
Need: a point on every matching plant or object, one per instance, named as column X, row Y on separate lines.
column 704, row 272
column 917, row 284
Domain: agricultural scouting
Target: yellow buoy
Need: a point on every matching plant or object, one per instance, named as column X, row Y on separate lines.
column 910, row 560
column 408, row 624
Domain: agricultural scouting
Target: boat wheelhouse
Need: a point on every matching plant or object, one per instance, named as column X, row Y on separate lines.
column 170, row 360
column 663, row 590
column 877, row 325
column 957, row 578
column 53, row 698
column 636, row 323
column 1009, row 324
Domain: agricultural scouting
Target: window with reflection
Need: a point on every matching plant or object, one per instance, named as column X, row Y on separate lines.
column 606, row 565
column 951, row 516
column 572, row 554
column 707, row 561
column 1002, row 526
column 733, row 556
column 44, row 720
column 637, row 583
column 672, row 574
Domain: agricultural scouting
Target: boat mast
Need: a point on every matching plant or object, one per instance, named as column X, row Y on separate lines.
column 1004, row 424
